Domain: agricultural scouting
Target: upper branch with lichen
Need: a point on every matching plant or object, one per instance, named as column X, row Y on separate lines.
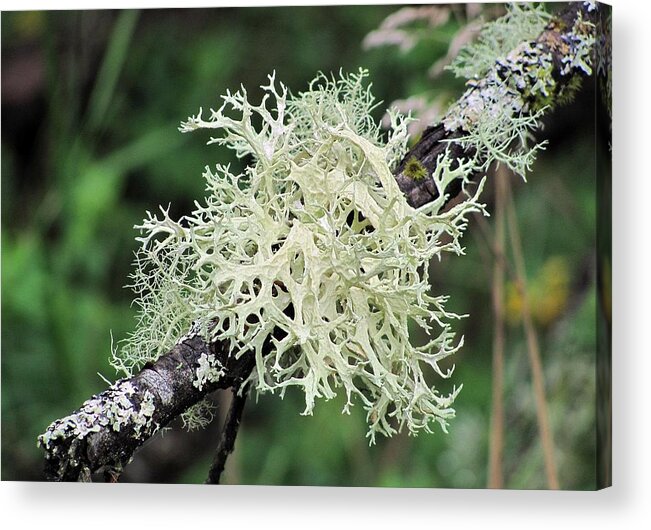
column 505, row 96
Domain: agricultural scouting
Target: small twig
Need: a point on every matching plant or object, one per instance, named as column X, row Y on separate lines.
column 533, row 349
column 496, row 447
column 228, row 435
column 497, row 254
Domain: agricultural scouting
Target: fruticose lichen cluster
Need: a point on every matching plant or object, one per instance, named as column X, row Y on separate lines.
column 311, row 258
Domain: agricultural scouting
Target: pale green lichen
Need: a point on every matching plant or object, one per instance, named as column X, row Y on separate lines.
column 497, row 114
column 523, row 22
column 494, row 118
column 199, row 415
column 314, row 250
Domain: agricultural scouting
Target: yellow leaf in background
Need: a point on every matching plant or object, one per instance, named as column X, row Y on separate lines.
column 548, row 294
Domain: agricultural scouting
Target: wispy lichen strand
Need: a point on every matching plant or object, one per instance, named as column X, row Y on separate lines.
column 312, row 258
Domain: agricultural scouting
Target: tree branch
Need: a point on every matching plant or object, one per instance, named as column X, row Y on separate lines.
column 559, row 40
column 106, row 431
column 228, row 435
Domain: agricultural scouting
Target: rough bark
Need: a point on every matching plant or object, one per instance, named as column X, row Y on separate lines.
column 106, row 431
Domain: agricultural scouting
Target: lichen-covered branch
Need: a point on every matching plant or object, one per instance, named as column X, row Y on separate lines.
column 318, row 276
column 105, row 432
column 503, row 103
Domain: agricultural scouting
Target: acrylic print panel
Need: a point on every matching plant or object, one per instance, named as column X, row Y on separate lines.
column 390, row 266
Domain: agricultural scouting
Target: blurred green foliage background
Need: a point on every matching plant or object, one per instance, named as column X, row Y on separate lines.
column 91, row 101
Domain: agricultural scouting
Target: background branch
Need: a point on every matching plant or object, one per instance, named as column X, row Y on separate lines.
column 496, row 446
column 228, row 435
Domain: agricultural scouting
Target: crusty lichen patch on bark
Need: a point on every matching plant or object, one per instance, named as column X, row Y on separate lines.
column 117, row 408
column 208, row 371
